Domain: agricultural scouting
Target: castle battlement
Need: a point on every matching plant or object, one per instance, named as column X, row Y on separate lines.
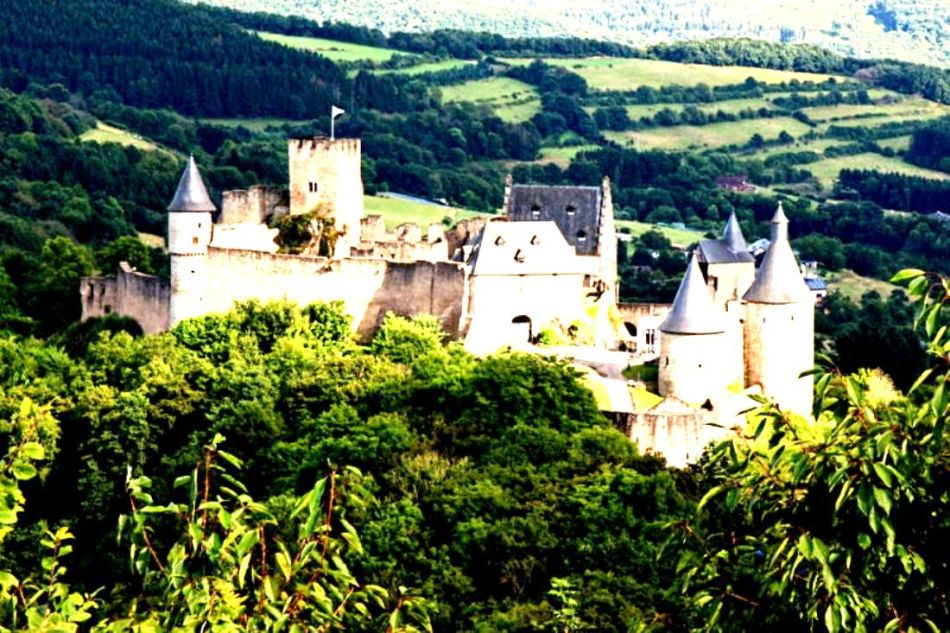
column 323, row 144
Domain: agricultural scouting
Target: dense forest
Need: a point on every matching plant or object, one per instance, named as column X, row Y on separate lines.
column 161, row 53
column 405, row 485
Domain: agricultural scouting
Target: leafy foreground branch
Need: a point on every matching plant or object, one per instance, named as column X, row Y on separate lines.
column 237, row 564
column 838, row 523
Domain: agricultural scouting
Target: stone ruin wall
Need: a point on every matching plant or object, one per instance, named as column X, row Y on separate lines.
column 128, row 293
column 368, row 287
column 252, row 205
column 679, row 437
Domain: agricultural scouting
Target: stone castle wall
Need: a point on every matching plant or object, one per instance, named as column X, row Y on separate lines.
column 368, row 287
column 252, row 205
column 144, row 298
column 679, row 437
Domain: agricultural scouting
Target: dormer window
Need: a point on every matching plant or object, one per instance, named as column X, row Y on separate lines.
column 535, row 240
column 571, row 210
column 519, row 256
column 535, row 211
column 581, row 236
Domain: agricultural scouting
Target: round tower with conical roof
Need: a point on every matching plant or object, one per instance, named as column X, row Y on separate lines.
column 189, row 235
column 696, row 363
column 779, row 325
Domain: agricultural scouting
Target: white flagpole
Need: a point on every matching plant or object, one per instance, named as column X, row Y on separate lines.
column 334, row 113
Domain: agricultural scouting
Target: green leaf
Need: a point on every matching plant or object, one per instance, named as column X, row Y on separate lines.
column 23, row 470
column 283, row 562
column 715, row 490
column 883, row 499
column 883, row 474
column 33, row 450
column 843, row 495
column 905, row 274
column 930, row 324
column 7, row 580
column 832, row 619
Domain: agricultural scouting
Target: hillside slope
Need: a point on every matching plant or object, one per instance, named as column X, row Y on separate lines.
column 912, row 30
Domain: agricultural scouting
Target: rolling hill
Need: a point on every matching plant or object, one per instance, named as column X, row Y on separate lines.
column 912, row 30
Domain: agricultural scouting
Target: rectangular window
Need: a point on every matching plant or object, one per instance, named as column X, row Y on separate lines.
column 313, row 187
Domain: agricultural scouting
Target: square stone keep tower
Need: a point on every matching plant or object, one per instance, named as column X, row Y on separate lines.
column 326, row 176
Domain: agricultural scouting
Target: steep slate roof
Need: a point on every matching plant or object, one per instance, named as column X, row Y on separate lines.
column 693, row 310
column 523, row 248
column 778, row 279
column 730, row 249
column 191, row 194
column 575, row 210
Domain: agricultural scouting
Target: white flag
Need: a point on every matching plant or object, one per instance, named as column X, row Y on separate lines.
column 335, row 112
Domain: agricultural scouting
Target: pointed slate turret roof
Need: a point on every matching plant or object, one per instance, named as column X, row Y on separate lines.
column 730, row 249
column 778, row 279
column 732, row 235
column 693, row 310
column 191, row 194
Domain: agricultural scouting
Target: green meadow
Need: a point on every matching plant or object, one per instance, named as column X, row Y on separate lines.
column 332, row 49
column 612, row 73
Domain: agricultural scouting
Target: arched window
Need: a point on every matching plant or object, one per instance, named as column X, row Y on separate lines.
column 535, row 240
column 519, row 256
column 581, row 236
column 571, row 209
column 535, row 211
column 522, row 324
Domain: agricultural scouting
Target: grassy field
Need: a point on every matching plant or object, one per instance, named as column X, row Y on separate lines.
column 153, row 240
column 858, row 113
column 562, row 156
column 853, row 285
column 396, row 212
column 337, row 51
column 826, row 171
column 683, row 137
column 679, row 237
column 430, row 67
column 611, row 73
column 104, row 133
column 730, row 106
column 254, row 125
column 896, row 143
column 596, row 386
column 512, row 100
column 818, row 146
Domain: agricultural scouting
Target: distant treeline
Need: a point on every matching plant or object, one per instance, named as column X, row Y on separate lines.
column 897, row 191
column 161, row 53
column 933, row 83
column 443, row 42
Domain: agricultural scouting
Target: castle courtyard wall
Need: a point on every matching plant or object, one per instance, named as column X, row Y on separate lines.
column 368, row 287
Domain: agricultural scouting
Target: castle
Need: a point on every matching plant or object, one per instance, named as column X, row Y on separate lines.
column 547, row 266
